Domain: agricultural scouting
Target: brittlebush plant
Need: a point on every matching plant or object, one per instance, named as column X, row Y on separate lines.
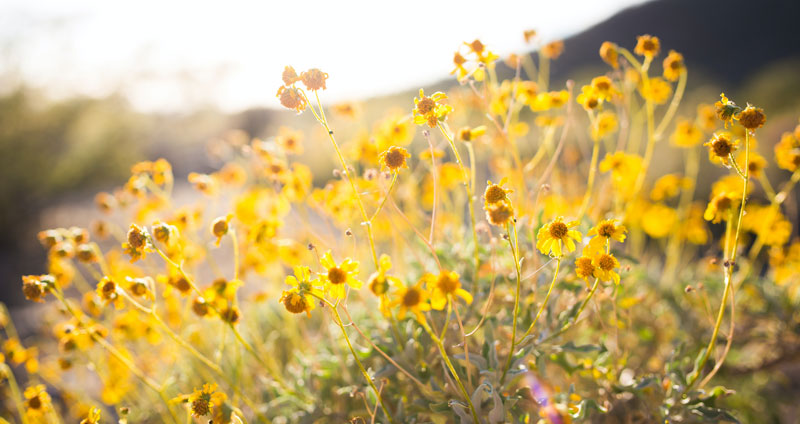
column 578, row 287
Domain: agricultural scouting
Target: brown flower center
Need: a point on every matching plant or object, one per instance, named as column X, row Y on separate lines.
column 494, row 193
column 425, row 105
column 722, row 147
column 35, row 402
column 558, row 230
column 447, row 283
column 584, row 267
column 295, row 303
column 337, row 276
column 395, row 159
column 412, row 297
column 606, row 230
column 606, row 262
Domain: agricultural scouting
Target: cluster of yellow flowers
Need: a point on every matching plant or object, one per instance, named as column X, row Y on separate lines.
column 437, row 336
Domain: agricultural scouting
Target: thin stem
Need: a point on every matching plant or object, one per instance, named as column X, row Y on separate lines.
column 673, row 105
column 118, row 356
column 515, row 254
column 544, row 303
column 590, row 183
column 470, row 189
column 729, row 264
column 381, row 352
column 388, row 193
column 15, row 393
column 446, row 358
column 355, row 356
column 321, row 119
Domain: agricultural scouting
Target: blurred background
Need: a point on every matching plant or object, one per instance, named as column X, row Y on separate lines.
column 87, row 88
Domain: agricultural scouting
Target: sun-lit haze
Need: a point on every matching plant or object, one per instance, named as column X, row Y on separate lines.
column 175, row 56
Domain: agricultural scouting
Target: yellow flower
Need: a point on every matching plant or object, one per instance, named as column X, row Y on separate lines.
column 726, row 110
column 673, row 65
column 693, row 229
column 220, row 226
column 93, row 416
column 584, row 268
column 137, row 242
column 379, row 282
column 720, row 206
column 647, row 46
column 556, row 233
column 496, row 193
column 314, row 79
column 658, row 220
column 300, row 298
column 500, row 213
column 752, row 117
column 668, row 186
column 605, row 231
column 553, row 50
column 338, row 276
column 290, row 141
column 35, row 287
column 604, row 266
column 768, row 223
column 204, row 400
column 755, row 164
column 395, row 130
column 37, row 402
column 787, row 152
column 470, row 134
column 107, row 290
column 609, row 54
column 444, row 287
column 292, row 98
column 624, row 169
column 412, row 298
column 589, row 98
column 394, row 158
column 429, row 110
column 686, row 134
column 656, row 90
column 604, row 123
column 720, row 148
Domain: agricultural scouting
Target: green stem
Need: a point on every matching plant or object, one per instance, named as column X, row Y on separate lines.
column 514, row 253
column 544, row 303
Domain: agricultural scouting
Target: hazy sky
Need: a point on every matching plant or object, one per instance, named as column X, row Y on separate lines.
column 176, row 55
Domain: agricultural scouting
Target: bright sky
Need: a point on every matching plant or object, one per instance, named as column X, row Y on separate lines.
column 177, row 55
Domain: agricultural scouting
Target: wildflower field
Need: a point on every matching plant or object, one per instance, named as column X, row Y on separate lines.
column 504, row 252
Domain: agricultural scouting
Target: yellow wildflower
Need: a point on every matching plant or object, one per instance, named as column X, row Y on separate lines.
column 555, row 234
column 338, row 276
column 412, row 299
column 394, row 159
column 430, row 110
column 444, row 287
column 647, row 46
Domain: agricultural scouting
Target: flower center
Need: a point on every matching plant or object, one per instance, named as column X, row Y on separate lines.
column 558, row 230
column 395, row 159
column 412, row 297
column 494, row 194
column 337, row 276
column 35, row 402
column 606, row 230
column 295, row 303
column 447, row 284
column 425, row 105
column 721, row 147
column 606, row 262
column 584, row 267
